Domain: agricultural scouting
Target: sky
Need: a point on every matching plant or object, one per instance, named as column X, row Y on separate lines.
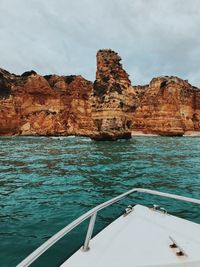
column 153, row 37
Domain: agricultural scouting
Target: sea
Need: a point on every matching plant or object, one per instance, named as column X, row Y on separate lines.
column 47, row 182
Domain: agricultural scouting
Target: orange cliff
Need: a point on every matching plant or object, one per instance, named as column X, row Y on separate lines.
column 168, row 106
column 108, row 109
column 51, row 105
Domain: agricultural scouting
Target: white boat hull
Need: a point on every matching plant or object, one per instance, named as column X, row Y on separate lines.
column 142, row 238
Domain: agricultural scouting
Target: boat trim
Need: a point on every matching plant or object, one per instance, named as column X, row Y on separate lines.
column 92, row 215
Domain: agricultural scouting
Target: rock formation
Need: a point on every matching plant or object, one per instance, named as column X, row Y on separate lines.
column 34, row 105
column 168, row 106
column 113, row 98
column 108, row 109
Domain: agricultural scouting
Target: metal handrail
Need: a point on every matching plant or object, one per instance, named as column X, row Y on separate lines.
column 92, row 214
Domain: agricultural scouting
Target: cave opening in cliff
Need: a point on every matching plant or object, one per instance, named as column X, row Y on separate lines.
column 4, row 92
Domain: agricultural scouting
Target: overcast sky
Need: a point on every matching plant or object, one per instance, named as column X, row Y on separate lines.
column 153, row 37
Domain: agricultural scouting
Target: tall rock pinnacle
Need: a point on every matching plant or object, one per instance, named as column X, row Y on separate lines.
column 112, row 98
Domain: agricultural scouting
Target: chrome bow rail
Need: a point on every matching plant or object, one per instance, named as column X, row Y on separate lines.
column 92, row 215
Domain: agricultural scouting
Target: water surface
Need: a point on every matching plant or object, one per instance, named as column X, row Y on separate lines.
column 45, row 183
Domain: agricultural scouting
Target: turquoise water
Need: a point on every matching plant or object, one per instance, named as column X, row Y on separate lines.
column 46, row 183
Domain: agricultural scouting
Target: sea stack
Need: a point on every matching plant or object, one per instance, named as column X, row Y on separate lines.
column 113, row 98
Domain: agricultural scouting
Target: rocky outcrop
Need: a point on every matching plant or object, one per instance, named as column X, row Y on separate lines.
column 168, row 106
column 108, row 109
column 9, row 117
column 113, row 98
column 52, row 105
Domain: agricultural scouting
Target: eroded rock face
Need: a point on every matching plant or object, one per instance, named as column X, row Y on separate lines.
column 108, row 109
column 113, row 98
column 9, row 118
column 52, row 105
column 168, row 106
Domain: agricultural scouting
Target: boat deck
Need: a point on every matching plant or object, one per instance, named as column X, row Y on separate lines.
column 142, row 238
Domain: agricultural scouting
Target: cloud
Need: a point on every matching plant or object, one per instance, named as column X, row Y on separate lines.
column 153, row 37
